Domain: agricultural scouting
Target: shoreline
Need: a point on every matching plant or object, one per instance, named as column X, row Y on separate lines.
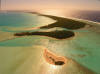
column 62, row 22
column 62, row 63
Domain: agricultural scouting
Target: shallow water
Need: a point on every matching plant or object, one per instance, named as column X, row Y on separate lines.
column 24, row 55
column 15, row 19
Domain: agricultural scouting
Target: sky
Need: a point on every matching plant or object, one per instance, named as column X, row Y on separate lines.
column 51, row 4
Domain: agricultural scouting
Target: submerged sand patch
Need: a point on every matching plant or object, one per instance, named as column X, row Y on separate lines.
column 51, row 58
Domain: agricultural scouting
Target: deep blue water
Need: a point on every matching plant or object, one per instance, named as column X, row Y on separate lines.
column 87, row 15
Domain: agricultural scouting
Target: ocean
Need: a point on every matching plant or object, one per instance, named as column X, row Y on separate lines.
column 24, row 55
column 87, row 15
column 15, row 19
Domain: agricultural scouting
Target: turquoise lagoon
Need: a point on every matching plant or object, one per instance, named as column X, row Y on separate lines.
column 24, row 55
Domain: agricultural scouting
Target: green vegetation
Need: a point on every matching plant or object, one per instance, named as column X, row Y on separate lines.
column 55, row 34
column 64, row 23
